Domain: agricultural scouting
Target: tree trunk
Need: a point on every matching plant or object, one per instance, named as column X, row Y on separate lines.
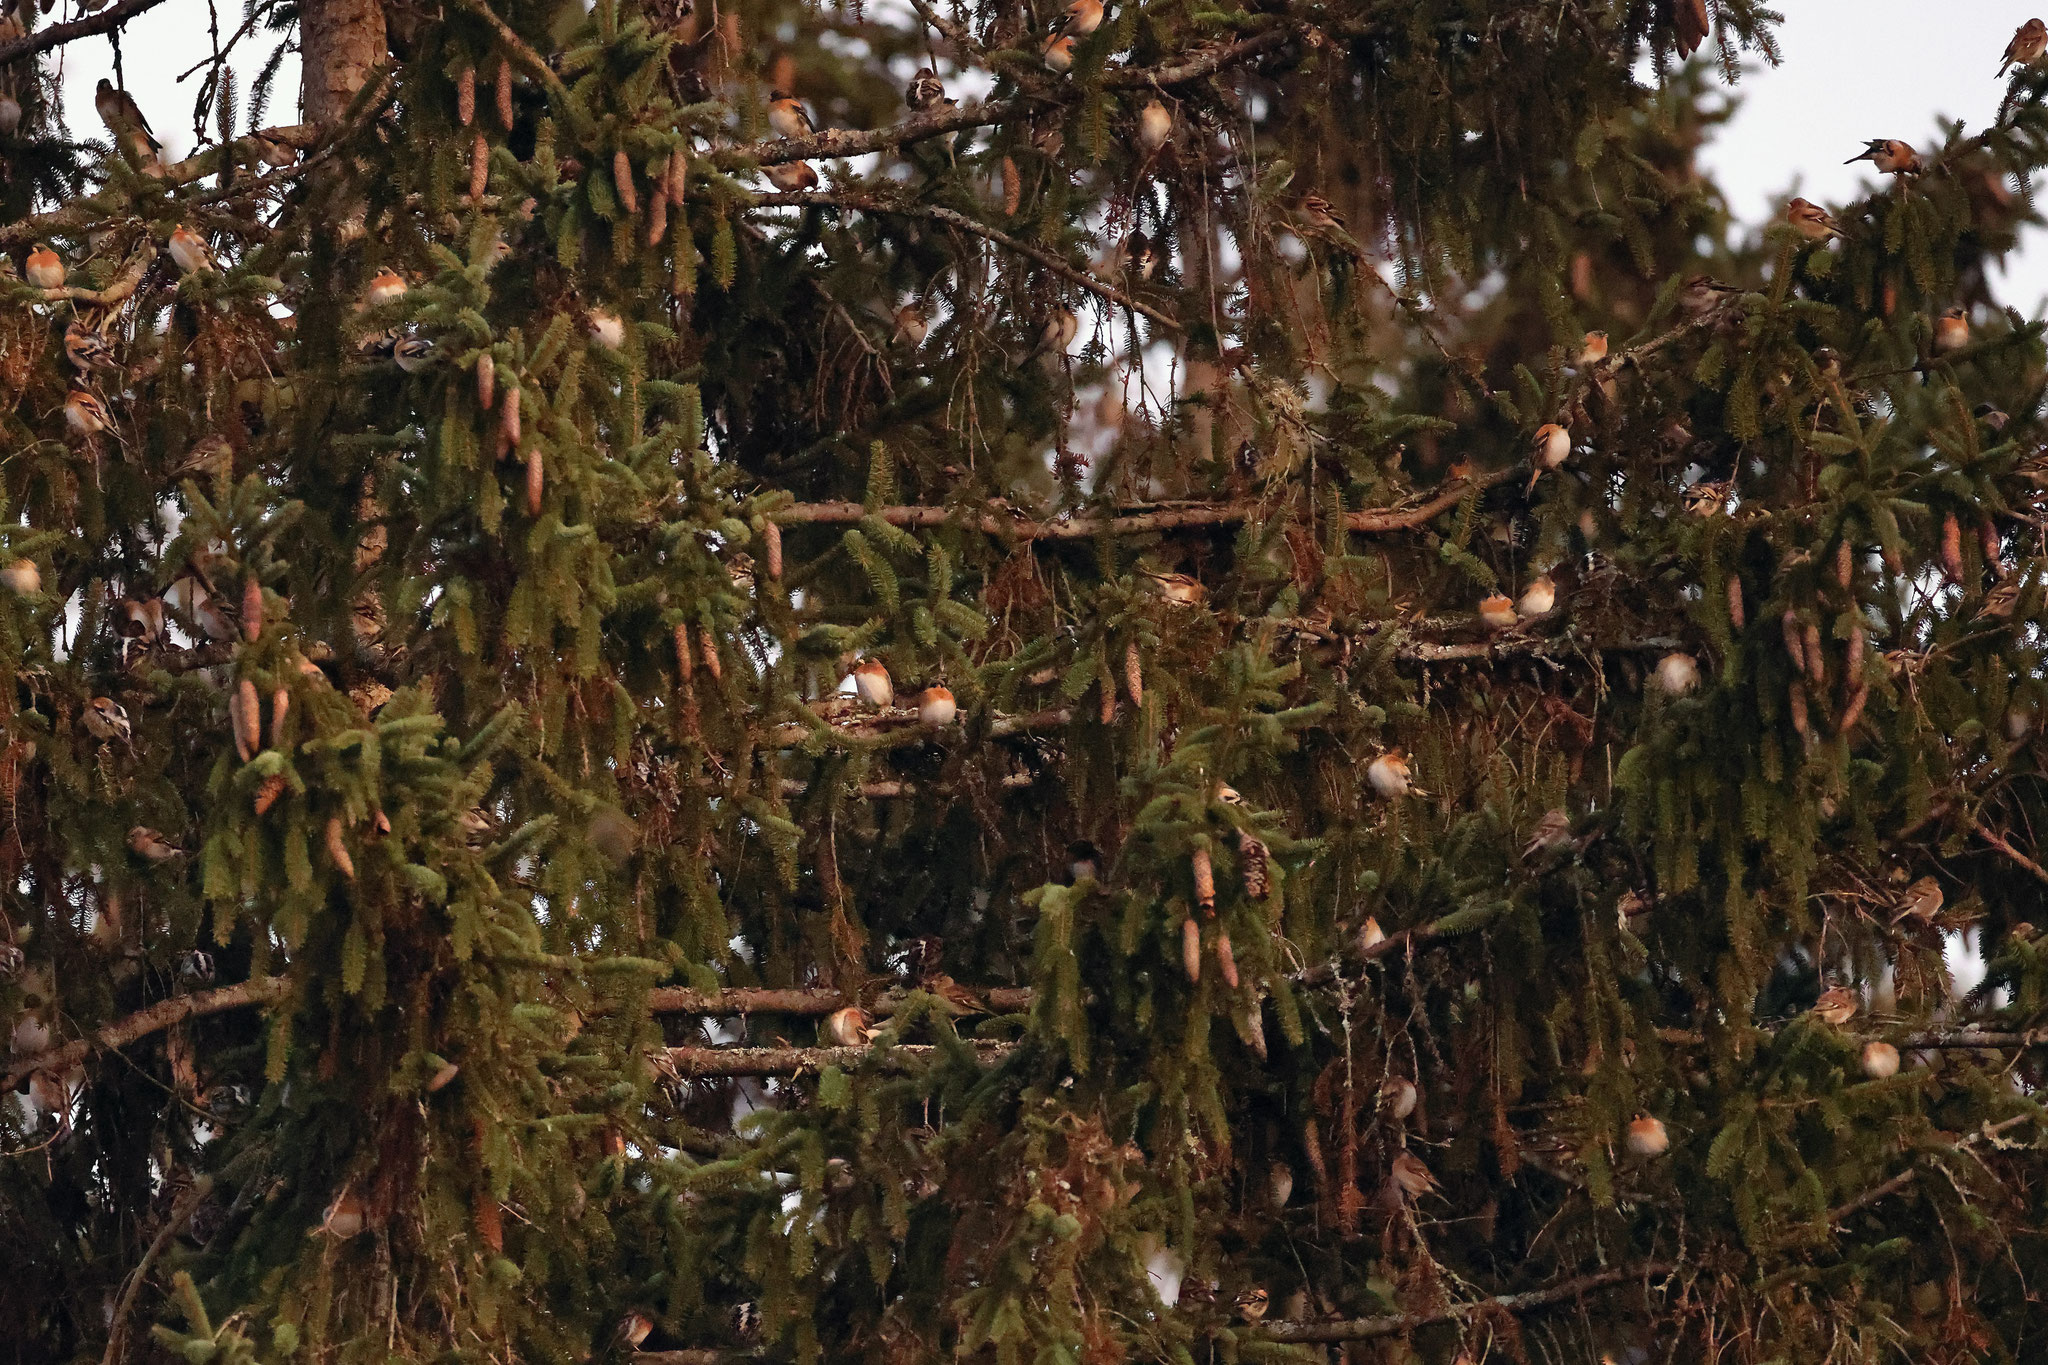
column 341, row 40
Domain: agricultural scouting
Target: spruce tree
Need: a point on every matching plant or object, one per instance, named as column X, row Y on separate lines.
column 1198, row 683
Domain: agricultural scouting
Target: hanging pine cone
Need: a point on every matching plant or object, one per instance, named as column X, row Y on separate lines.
column 337, row 850
column 1796, row 700
column 1255, row 861
column 1191, row 949
column 252, row 609
column 1736, row 614
column 1952, row 549
column 685, row 666
column 657, row 216
column 1816, row 662
column 771, row 548
column 1205, row 879
column 504, row 93
column 1795, row 639
column 622, row 181
column 267, row 793
column 1845, row 565
column 479, row 165
column 486, row 381
column 712, row 663
column 536, row 483
column 465, row 96
column 1993, row 548
column 1134, row 674
column 280, row 706
column 1226, row 960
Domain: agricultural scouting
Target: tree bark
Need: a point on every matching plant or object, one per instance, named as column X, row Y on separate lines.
column 341, row 41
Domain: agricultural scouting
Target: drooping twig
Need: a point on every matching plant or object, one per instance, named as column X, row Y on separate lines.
column 1369, row 1329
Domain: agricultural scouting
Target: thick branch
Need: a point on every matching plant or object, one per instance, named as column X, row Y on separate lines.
column 141, row 1024
column 811, row 1001
column 698, row 1062
column 43, row 39
column 1368, row 1329
column 900, row 728
column 124, row 284
column 1988, row 1133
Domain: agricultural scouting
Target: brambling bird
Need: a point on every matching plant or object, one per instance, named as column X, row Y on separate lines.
column 22, row 578
column 1815, row 223
column 1177, row 588
column 189, row 251
column 2001, row 600
column 1409, row 1177
column 45, row 268
column 925, row 92
column 147, row 844
column 1538, row 598
column 1703, row 294
column 633, row 1329
column 274, row 151
column 871, row 683
column 792, row 176
column 85, row 414
column 1084, row 862
column 1370, row 935
column 1155, row 126
column 1552, row 447
column 606, row 328
column 746, row 1320
column 106, row 719
column 123, row 117
column 139, row 624
column 1880, row 1061
column 1592, row 350
column 1317, row 213
column 911, row 327
column 1059, row 52
column 1398, row 1095
column 386, row 286
column 1921, row 902
column 86, row 349
column 787, row 117
column 1388, row 776
column 1058, row 333
column 1836, row 1006
column 344, row 1217
column 1080, row 18
column 847, row 1027
column 1252, row 1304
column 1993, row 420
column 1553, row 830
column 2026, row 47
column 1279, row 1184
column 1141, row 256
column 413, row 354
column 381, row 345
column 1707, row 497
column 1889, row 155
column 1678, row 674
column 10, row 115
column 936, row 707
column 1951, row 331
column 1497, row 610
column 1647, row 1137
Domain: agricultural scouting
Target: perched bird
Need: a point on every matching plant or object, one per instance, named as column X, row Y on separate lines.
column 139, row 624
column 1251, row 1305
column 189, row 251
column 1317, row 213
column 1678, row 674
column 1279, row 1184
column 1921, row 902
column 45, row 267
column 1889, row 155
column 105, row 719
column 344, row 1217
column 22, row 578
column 85, row 414
column 911, row 327
column 871, row 683
column 1646, row 1136
column 1993, row 419
column 936, row 707
column 1370, row 935
column 847, row 1027
column 1552, row 446
column 386, row 286
column 86, row 349
column 791, row 176
column 1409, row 1177
column 1703, row 295
column 1080, row 18
column 1059, row 52
column 1880, row 1061
column 1951, row 331
column 633, row 1329
column 274, row 151
column 412, row 354
column 2000, row 602
column 123, row 117
column 381, row 345
column 147, row 844
column 1815, row 223
column 787, row 117
column 1387, row 775
column 606, row 328
column 2026, row 47
column 10, row 115
column 925, row 92
column 1708, row 497
column 1836, row 1006
column 1058, row 333
column 1398, row 1095
column 1553, row 830
column 746, row 1320
column 1538, row 598
column 1497, row 610
column 1155, row 126
column 1177, row 588
column 1141, row 256
column 1084, row 862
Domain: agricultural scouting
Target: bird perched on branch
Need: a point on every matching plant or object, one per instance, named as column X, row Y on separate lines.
column 792, row 176
column 2026, row 47
column 1889, row 155
column 1552, row 447
column 925, row 92
column 1814, row 223
column 189, row 251
column 1951, row 331
column 45, row 268
column 1059, row 52
column 86, row 349
column 124, row 120
column 911, row 327
column 1079, row 19
column 786, row 115
column 1836, row 1006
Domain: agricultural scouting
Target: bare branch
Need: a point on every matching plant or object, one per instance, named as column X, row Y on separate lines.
column 142, row 1023
column 1990, row 1132
column 1368, row 1329
column 56, row 35
column 699, row 1062
column 2003, row 845
column 800, row 1000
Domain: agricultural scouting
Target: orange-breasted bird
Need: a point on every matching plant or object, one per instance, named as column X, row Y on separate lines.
column 1815, row 223
column 1497, row 610
column 1647, row 1136
column 1177, row 588
column 1317, row 213
column 123, row 117
column 1155, row 126
column 1552, row 447
column 1951, row 331
column 1059, row 52
column 45, row 267
column 791, row 176
column 1388, row 776
column 1079, row 19
column 1889, row 155
column 105, row 719
column 1836, row 1006
column 871, row 683
column 1538, row 598
column 911, row 326
column 1410, row 1177
column 189, row 251
column 936, row 707
column 2029, row 41
column 786, row 115
column 925, row 91
column 85, row 414
column 386, row 286
column 86, row 349
column 1592, row 350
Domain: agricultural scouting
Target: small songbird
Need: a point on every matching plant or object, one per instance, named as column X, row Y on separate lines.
column 380, row 345
column 1177, row 588
column 85, row 414
column 1889, row 155
column 1317, row 213
column 606, row 328
column 1815, row 223
column 1251, row 1305
column 1538, row 598
column 189, row 251
column 1647, row 1137
column 1387, row 774
column 106, row 719
column 86, row 349
column 45, row 267
column 633, row 1329
column 139, row 624
column 1552, row 446
column 1084, row 862
column 911, row 327
column 1279, row 1184
column 1921, row 902
column 1703, row 294
column 1592, row 350
column 1141, row 256
column 1410, row 1177
column 1553, row 830
column 123, row 117
column 847, row 1027
column 10, row 115
column 1951, row 331
column 1059, row 52
column 936, row 707
column 22, row 578
column 925, row 92
column 1080, row 18
column 1678, row 674
column 413, row 354
column 787, row 117
column 147, row 844
column 1370, row 935
column 792, row 176
column 386, row 286
column 1058, row 333
column 274, row 151
column 1497, row 610
column 1836, row 1006
column 1993, row 419
column 2000, row 602
column 1155, row 126
column 2026, row 47
column 1708, row 497
column 1880, row 1061
column 871, row 683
